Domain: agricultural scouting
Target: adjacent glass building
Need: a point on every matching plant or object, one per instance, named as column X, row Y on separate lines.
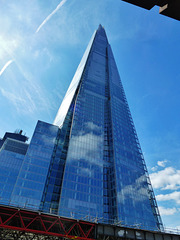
column 89, row 164
column 13, row 148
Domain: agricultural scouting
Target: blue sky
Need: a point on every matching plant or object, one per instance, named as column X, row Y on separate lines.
column 41, row 44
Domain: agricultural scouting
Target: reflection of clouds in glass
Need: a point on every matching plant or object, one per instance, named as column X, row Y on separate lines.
column 137, row 191
column 139, row 235
column 87, row 145
column 121, row 233
column 88, row 127
column 92, row 126
column 45, row 134
column 135, row 196
column 85, row 172
column 48, row 141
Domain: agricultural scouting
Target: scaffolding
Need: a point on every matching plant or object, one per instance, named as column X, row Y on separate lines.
column 21, row 224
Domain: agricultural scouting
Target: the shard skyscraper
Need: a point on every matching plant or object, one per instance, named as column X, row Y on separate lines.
column 89, row 164
column 105, row 175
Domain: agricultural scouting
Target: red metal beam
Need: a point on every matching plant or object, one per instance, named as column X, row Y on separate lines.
column 45, row 224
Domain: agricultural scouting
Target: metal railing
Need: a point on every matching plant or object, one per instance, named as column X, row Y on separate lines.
column 95, row 219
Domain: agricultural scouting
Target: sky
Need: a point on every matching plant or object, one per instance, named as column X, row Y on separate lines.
column 41, row 45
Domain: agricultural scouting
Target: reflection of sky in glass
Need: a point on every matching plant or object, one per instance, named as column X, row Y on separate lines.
column 82, row 191
column 72, row 88
column 104, row 174
column 31, row 179
column 10, row 164
column 87, row 145
column 131, row 182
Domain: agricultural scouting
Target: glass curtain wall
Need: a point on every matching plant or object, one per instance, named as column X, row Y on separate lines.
column 133, row 198
column 31, row 180
column 11, row 159
column 105, row 177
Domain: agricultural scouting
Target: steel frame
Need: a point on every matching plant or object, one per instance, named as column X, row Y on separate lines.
column 21, row 224
column 26, row 221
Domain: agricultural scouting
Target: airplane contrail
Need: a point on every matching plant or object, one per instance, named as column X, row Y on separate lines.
column 5, row 66
column 51, row 14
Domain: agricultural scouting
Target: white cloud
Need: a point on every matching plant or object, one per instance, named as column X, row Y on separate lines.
column 12, row 97
column 137, row 191
column 51, row 14
column 23, row 104
column 31, row 91
column 5, row 66
column 162, row 163
column 167, row 211
column 168, row 178
column 171, row 196
column 154, row 168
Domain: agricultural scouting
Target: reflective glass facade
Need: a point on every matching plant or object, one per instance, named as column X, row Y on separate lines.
column 105, row 177
column 11, row 158
column 89, row 164
column 31, row 180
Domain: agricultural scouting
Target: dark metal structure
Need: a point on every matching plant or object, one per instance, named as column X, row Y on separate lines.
column 170, row 8
column 17, row 135
column 109, row 232
column 24, row 224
